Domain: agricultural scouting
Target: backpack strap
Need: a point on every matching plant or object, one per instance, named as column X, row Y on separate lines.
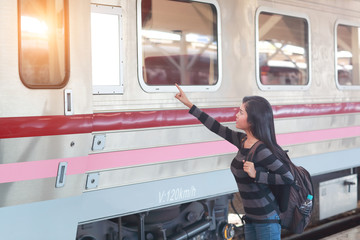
column 252, row 151
column 295, row 185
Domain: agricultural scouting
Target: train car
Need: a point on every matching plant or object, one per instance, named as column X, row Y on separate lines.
column 94, row 146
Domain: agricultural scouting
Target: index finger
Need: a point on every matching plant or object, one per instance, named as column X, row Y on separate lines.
column 179, row 88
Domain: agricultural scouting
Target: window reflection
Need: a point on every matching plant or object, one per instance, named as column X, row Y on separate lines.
column 179, row 43
column 283, row 50
column 348, row 54
column 43, row 61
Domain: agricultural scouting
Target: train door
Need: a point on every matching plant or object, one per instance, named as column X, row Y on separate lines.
column 45, row 114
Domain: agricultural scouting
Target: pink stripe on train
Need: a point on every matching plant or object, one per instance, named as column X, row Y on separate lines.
column 23, row 171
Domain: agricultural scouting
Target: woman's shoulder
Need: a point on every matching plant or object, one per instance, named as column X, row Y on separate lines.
column 257, row 146
column 262, row 151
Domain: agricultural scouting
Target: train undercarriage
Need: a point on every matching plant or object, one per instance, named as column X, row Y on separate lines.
column 203, row 219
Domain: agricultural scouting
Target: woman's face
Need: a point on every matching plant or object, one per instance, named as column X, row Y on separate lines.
column 241, row 119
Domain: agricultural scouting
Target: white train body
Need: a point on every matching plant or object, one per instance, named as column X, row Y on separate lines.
column 90, row 129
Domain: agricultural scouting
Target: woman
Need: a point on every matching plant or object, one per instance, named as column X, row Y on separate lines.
column 253, row 177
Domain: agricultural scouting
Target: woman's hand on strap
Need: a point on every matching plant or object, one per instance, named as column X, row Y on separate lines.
column 181, row 96
column 249, row 168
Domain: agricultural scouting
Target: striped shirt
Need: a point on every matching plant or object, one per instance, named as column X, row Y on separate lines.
column 258, row 200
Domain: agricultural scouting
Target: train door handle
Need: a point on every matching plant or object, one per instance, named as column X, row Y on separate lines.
column 349, row 183
column 68, row 102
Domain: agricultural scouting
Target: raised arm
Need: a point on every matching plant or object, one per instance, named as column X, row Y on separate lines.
column 228, row 134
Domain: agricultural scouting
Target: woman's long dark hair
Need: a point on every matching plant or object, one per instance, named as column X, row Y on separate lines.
column 261, row 119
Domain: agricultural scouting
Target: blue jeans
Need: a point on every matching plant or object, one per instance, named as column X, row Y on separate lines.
column 263, row 231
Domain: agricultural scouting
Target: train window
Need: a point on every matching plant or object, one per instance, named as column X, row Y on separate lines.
column 282, row 51
column 179, row 43
column 347, row 56
column 106, row 47
column 43, row 43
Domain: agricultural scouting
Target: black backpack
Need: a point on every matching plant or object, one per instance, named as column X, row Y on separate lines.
column 291, row 197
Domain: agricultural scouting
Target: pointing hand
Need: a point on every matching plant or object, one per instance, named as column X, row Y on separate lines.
column 181, row 96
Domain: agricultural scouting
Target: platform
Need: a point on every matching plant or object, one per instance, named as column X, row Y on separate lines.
column 350, row 234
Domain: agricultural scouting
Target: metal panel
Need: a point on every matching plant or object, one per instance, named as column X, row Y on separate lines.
column 337, row 196
column 56, row 220
column 22, row 192
column 111, row 202
column 43, row 148
column 313, row 123
column 144, row 138
column 167, row 136
column 140, row 174
column 329, row 162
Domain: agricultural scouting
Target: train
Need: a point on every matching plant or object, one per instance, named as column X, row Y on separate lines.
column 94, row 145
